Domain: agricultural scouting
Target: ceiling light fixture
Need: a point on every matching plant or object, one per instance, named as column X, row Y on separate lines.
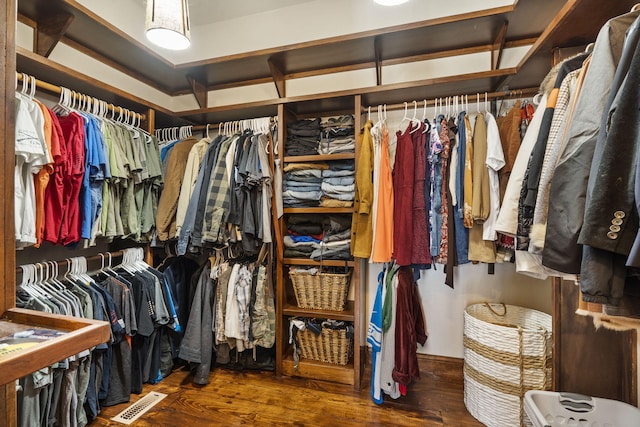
column 167, row 24
column 390, row 2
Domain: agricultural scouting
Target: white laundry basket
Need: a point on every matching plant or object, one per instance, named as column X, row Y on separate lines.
column 552, row 409
column 507, row 351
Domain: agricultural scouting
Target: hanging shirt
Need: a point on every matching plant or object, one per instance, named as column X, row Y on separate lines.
column 374, row 337
column 73, row 130
column 54, row 202
column 30, row 157
column 494, row 162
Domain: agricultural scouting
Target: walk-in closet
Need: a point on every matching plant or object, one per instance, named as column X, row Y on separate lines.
column 319, row 212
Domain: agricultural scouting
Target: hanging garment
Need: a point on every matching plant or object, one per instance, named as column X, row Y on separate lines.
column 611, row 220
column 168, row 203
column 602, row 81
column 420, row 253
column 192, row 168
column 460, row 231
column 410, row 329
column 361, row 226
column 479, row 249
column 403, row 181
column 384, row 224
column 389, row 311
column 374, row 337
column 561, row 118
column 509, row 128
column 507, row 222
column 494, row 163
column 443, row 186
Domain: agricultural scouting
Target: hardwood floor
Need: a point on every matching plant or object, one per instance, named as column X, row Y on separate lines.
column 261, row 399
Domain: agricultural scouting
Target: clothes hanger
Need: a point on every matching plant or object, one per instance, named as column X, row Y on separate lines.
column 415, row 120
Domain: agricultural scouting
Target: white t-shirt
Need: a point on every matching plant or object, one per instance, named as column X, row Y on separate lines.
column 495, row 162
column 31, row 155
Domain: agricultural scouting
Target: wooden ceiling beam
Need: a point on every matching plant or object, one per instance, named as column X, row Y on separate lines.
column 49, row 31
column 278, row 77
column 498, row 46
column 378, row 59
column 199, row 90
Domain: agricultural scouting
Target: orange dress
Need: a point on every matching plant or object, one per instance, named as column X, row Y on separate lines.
column 383, row 243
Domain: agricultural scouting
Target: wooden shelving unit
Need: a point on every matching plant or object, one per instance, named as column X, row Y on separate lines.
column 286, row 307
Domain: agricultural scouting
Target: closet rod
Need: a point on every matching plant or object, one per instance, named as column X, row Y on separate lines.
column 94, row 263
column 472, row 98
column 216, row 125
column 56, row 90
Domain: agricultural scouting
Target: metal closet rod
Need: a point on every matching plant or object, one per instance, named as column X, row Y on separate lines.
column 472, row 98
column 56, row 90
column 216, row 125
column 91, row 261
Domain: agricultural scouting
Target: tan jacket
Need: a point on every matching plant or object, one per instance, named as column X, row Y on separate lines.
column 168, row 204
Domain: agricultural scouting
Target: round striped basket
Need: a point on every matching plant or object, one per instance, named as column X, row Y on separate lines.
column 507, row 351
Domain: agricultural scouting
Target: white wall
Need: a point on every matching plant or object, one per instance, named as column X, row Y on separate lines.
column 294, row 24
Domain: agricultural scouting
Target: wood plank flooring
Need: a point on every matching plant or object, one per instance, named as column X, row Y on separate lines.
column 261, row 399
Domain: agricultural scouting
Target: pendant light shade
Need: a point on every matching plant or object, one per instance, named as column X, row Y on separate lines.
column 390, row 2
column 167, row 24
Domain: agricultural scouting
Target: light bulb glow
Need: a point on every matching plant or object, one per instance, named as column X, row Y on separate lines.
column 167, row 24
column 390, row 2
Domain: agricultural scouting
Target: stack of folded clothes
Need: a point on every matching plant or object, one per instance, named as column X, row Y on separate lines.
column 304, row 235
column 302, row 184
column 336, row 239
column 318, row 237
column 338, row 135
column 303, row 138
column 338, row 184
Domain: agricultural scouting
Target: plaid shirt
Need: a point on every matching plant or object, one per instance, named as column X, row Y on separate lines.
column 218, row 197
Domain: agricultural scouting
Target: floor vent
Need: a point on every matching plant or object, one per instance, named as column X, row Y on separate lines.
column 139, row 408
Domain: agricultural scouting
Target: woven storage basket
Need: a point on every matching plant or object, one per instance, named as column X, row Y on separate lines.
column 507, row 351
column 320, row 291
column 330, row 346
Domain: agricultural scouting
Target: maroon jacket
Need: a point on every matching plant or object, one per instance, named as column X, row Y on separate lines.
column 410, row 328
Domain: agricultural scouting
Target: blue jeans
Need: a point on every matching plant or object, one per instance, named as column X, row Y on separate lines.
column 436, row 206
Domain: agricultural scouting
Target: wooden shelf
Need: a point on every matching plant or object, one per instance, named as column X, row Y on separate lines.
column 319, row 158
column 325, row 263
column 471, row 32
column 347, row 314
column 308, row 368
column 575, row 24
column 318, row 210
column 80, row 334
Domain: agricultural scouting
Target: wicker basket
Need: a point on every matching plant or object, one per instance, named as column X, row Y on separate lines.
column 330, row 346
column 507, row 351
column 320, row 291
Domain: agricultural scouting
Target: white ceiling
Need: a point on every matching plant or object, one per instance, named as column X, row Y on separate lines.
column 203, row 12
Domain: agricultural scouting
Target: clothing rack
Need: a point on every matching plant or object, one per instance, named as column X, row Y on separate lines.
column 222, row 124
column 94, row 263
column 57, row 90
column 479, row 97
